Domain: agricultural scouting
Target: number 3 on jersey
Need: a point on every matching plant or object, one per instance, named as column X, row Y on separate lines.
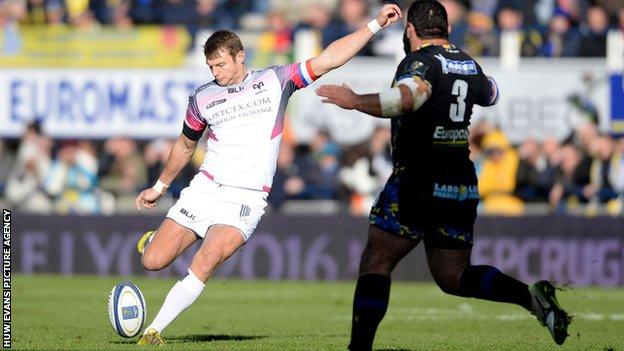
column 457, row 111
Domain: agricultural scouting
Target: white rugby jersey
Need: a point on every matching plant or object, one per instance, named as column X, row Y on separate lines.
column 244, row 123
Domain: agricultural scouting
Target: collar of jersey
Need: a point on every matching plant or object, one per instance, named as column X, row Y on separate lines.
column 446, row 46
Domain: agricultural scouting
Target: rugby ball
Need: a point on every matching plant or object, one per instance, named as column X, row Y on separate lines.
column 126, row 309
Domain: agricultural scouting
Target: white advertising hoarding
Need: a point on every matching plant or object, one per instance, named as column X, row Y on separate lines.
column 152, row 103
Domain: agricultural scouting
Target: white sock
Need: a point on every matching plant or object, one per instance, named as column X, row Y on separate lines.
column 181, row 296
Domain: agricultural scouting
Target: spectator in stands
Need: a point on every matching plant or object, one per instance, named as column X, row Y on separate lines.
column 550, row 148
column 288, row 183
column 480, row 39
column 103, row 10
column 236, row 9
column 72, row 179
column 569, row 183
column 527, row 9
column 275, row 43
column 620, row 23
column 322, row 166
column 112, row 12
column 497, row 180
column 535, row 175
column 176, row 12
column 55, row 13
column 478, row 130
column 122, row 168
column 574, row 9
column 593, row 38
column 121, row 16
column 36, row 12
column 315, row 16
column 352, row 14
column 456, row 12
column 7, row 158
column 487, row 7
column 616, row 178
column 25, row 183
column 367, row 168
column 561, row 39
column 209, row 14
column 156, row 154
column 11, row 13
column 585, row 135
column 511, row 19
column 80, row 16
column 600, row 188
column 143, row 11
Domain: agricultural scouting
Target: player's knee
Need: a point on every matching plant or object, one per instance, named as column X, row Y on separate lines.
column 376, row 265
column 448, row 282
column 152, row 262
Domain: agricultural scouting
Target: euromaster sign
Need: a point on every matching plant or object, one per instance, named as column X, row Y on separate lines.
column 97, row 103
column 60, row 46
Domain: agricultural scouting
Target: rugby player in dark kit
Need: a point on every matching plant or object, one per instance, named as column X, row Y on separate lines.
column 432, row 194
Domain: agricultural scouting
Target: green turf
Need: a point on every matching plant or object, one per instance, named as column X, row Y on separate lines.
column 51, row 312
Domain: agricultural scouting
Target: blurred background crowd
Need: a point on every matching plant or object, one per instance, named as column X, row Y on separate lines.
column 549, row 28
column 582, row 173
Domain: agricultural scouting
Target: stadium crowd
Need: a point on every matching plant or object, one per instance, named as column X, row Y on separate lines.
column 584, row 171
column 548, row 28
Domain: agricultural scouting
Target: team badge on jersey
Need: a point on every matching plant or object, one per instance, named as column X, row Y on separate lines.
column 414, row 69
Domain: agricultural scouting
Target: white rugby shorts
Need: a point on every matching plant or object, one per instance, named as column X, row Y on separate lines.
column 205, row 203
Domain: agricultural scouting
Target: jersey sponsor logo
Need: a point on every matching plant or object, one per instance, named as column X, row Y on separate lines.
column 235, row 90
column 187, row 214
column 450, row 136
column 456, row 192
column 468, row 67
column 215, row 103
column 250, row 108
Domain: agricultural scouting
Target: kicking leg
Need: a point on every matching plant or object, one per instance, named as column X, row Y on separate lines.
column 168, row 242
column 382, row 253
column 220, row 243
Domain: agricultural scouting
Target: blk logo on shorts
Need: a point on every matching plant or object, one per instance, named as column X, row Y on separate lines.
column 186, row 213
column 245, row 211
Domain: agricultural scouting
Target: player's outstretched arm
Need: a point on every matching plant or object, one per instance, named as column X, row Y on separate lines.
column 408, row 95
column 343, row 49
column 180, row 155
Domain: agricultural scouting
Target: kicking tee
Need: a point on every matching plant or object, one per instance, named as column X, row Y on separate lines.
column 244, row 123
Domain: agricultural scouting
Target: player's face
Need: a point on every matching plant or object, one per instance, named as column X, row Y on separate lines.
column 226, row 69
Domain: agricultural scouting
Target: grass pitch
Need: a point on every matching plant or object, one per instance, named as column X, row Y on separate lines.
column 58, row 313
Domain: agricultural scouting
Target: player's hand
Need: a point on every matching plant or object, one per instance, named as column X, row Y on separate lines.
column 338, row 95
column 147, row 198
column 389, row 14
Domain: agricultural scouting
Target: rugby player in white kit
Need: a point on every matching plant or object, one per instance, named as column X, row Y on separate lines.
column 243, row 112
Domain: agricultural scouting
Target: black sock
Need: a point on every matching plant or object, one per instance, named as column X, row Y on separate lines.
column 370, row 303
column 488, row 283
